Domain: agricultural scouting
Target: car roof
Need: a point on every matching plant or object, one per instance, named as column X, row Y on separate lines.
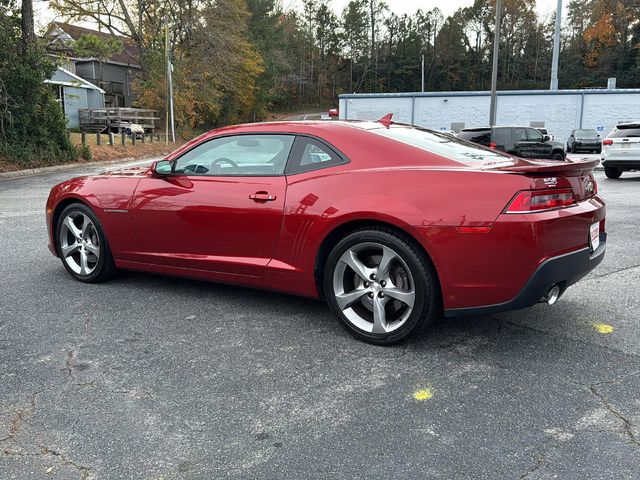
column 629, row 125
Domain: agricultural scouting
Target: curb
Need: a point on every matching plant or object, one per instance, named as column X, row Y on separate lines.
column 29, row 172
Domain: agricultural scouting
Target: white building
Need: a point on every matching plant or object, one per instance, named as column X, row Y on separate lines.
column 558, row 111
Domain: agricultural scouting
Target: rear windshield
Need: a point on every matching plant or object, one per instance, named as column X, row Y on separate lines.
column 444, row 145
column 625, row 132
column 482, row 137
column 586, row 134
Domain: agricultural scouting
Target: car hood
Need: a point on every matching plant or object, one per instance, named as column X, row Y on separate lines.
column 124, row 172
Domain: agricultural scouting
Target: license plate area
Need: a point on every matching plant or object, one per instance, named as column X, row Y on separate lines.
column 594, row 236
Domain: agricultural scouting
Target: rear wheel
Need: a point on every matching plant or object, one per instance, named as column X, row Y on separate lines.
column 82, row 245
column 558, row 156
column 611, row 172
column 382, row 288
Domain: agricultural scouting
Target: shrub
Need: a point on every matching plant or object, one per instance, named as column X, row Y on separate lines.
column 32, row 124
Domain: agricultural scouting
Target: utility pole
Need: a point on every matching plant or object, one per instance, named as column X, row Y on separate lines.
column 423, row 72
column 170, row 119
column 494, row 72
column 556, row 48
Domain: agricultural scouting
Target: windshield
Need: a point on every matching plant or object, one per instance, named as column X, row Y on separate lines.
column 625, row 131
column 586, row 134
column 444, row 145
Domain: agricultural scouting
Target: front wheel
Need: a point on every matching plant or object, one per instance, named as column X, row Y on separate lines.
column 381, row 286
column 82, row 245
column 558, row 156
column 611, row 172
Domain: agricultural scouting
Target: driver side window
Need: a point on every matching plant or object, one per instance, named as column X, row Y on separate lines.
column 238, row 155
column 534, row 135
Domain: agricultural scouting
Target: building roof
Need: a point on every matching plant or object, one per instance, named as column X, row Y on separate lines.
column 61, row 35
column 471, row 93
column 68, row 79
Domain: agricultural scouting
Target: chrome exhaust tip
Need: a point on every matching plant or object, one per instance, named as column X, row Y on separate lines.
column 552, row 295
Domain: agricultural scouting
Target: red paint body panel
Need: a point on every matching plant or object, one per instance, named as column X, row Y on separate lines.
column 208, row 227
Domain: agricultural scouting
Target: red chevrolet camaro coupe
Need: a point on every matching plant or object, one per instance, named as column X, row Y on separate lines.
column 391, row 224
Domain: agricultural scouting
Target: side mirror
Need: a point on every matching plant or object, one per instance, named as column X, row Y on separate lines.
column 546, row 138
column 161, row 167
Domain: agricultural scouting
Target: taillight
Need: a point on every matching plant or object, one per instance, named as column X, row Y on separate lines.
column 607, row 141
column 492, row 145
column 539, row 200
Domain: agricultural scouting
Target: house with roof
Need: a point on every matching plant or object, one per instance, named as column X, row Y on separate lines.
column 74, row 94
column 113, row 75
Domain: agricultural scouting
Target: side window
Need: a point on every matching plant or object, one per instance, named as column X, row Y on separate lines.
column 502, row 138
column 534, row 135
column 519, row 135
column 238, row 155
column 311, row 154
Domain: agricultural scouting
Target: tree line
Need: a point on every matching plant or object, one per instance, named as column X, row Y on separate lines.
column 237, row 59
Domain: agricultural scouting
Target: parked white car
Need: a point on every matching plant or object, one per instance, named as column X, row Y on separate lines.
column 621, row 150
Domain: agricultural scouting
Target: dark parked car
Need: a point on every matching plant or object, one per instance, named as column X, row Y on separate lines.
column 525, row 142
column 585, row 139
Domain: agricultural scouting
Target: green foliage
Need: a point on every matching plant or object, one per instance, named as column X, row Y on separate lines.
column 32, row 125
column 85, row 151
column 94, row 46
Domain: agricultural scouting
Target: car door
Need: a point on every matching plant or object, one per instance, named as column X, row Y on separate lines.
column 221, row 208
column 523, row 147
column 571, row 140
column 541, row 149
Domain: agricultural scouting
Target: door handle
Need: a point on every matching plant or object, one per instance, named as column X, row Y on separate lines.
column 262, row 197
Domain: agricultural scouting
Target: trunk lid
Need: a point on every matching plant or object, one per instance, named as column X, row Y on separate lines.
column 567, row 168
column 574, row 174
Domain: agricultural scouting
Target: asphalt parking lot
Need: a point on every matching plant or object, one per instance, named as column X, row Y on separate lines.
column 149, row 377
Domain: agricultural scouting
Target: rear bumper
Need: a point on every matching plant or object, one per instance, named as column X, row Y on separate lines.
column 563, row 270
column 587, row 146
column 625, row 164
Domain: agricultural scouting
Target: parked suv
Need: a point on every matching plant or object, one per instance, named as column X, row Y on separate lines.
column 621, row 150
column 525, row 142
column 585, row 139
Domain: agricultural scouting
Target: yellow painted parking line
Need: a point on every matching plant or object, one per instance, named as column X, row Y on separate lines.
column 603, row 328
column 422, row 394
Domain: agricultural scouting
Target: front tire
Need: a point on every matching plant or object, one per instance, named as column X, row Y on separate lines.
column 558, row 156
column 613, row 173
column 381, row 286
column 82, row 245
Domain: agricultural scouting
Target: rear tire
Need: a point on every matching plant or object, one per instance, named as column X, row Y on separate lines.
column 611, row 172
column 558, row 156
column 381, row 286
column 82, row 245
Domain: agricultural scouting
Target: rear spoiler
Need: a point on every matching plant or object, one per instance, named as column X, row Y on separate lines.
column 571, row 168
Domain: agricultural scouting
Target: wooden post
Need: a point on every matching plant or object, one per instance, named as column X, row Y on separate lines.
column 124, row 138
column 98, row 139
column 111, row 138
column 84, row 137
column 133, row 138
column 151, row 138
column 143, row 136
